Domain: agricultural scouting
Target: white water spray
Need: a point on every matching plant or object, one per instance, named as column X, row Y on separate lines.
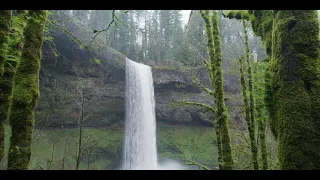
column 140, row 151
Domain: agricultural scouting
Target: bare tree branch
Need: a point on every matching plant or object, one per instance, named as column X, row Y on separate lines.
column 87, row 48
column 191, row 162
column 195, row 80
column 34, row 159
column 185, row 102
column 114, row 20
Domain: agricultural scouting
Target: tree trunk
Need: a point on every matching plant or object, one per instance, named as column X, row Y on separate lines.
column 26, row 92
column 80, row 122
column 6, row 81
column 259, row 91
column 263, row 146
column 251, row 124
column 215, row 72
column 5, row 23
column 206, row 17
column 294, row 85
column 291, row 39
column 222, row 112
column 297, row 88
column 220, row 160
column 247, row 114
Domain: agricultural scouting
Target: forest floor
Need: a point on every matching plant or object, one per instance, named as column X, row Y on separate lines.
column 102, row 147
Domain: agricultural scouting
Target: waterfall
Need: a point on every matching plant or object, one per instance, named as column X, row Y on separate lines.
column 140, row 151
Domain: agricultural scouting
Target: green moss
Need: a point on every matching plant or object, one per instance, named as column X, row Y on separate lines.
column 292, row 93
column 296, row 88
column 259, row 93
column 6, row 81
column 222, row 112
column 251, row 130
column 261, row 23
column 211, row 67
column 251, row 124
column 215, row 72
column 26, row 91
column 5, row 23
column 16, row 38
column 6, row 84
column 291, row 38
column 237, row 14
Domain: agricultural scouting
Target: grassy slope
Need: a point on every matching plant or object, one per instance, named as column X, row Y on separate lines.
column 105, row 147
column 175, row 142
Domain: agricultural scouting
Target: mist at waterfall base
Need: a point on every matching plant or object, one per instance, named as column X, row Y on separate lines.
column 140, row 147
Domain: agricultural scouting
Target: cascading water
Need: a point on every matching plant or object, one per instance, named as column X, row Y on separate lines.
column 140, row 151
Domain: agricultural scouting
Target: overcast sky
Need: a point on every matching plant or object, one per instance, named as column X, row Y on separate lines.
column 185, row 16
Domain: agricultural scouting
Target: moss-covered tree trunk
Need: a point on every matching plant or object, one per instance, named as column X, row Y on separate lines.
column 222, row 112
column 26, row 91
column 205, row 15
column 262, row 138
column 259, row 93
column 294, row 90
column 5, row 22
column 215, row 66
column 296, row 85
column 247, row 116
column 6, row 81
column 291, row 38
column 251, row 124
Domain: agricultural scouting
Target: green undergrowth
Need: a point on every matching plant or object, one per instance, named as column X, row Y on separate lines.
column 188, row 143
column 103, row 147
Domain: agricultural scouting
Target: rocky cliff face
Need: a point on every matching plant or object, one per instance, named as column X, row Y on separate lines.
column 71, row 82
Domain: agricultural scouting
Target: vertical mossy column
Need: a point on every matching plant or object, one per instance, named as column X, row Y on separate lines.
column 6, row 81
column 251, row 124
column 210, row 47
column 253, row 147
column 215, row 72
column 296, row 88
column 291, row 38
column 262, row 138
column 5, row 21
column 222, row 112
column 259, row 93
column 243, row 15
column 293, row 95
column 26, row 91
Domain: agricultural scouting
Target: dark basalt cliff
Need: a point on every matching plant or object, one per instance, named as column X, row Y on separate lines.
column 71, row 75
